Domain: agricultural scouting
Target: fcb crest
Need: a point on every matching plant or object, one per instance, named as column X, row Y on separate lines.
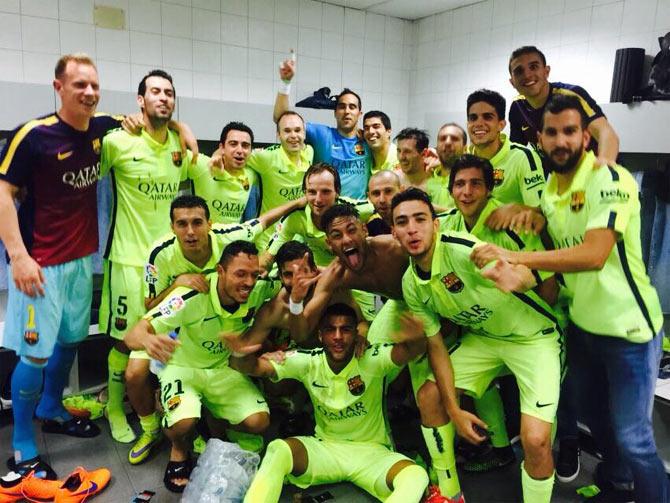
column 173, row 403
column 31, row 337
column 120, row 323
column 452, row 282
column 498, row 176
column 359, row 149
column 245, row 183
column 96, row 145
column 577, row 200
column 176, row 158
column 356, row 385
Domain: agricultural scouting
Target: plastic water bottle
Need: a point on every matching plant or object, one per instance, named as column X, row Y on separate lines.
column 223, row 474
column 156, row 366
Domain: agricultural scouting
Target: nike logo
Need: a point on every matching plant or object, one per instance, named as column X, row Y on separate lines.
column 207, row 319
column 525, row 128
column 64, row 155
column 137, row 159
column 260, row 401
column 91, row 489
column 316, row 385
column 540, row 405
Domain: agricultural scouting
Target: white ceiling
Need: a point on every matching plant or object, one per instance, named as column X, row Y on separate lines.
column 405, row 9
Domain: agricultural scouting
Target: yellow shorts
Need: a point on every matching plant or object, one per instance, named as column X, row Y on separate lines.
column 122, row 301
column 225, row 392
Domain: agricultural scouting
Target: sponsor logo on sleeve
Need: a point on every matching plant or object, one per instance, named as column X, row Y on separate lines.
column 172, row 306
column 150, row 274
column 614, row 196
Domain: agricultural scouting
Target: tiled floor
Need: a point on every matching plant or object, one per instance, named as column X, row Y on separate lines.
column 65, row 453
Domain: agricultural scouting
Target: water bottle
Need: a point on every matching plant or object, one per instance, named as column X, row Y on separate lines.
column 223, row 474
column 156, row 366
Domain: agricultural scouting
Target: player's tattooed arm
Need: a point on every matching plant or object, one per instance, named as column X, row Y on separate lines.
column 143, row 337
column 26, row 272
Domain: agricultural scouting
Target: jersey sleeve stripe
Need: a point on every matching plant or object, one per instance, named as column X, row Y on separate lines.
column 585, row 104
column 112, row 218
column 185, row 297
column 154, row 253
column 611, row 220
column 529, row 156
column 458, row 241
column 515, row 237
column 536, row 275
column 615, row 175
column 537, row 307
column 447, row 213
column 20, row 136
column 621, row 248
column 228, row 230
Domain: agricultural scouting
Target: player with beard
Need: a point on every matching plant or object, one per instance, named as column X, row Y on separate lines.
column 351, row 442
column 614, row 339
column 451, row 142
column 146, row 171
column 382, row 186
column 376, row 265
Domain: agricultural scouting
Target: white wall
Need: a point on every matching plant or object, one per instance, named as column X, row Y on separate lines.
column 216, row 49
column 465, row 49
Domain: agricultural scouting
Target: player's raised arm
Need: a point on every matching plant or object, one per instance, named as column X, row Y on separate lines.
column 286, row 73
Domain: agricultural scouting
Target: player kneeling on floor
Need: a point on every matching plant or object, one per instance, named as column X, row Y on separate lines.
column 351, row 442
column 197, row 371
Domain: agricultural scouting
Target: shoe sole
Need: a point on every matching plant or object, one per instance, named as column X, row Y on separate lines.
column 572, row 477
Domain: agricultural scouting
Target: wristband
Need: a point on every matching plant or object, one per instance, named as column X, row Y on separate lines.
column 235, row 354
column 285, row 87
column 295, row 307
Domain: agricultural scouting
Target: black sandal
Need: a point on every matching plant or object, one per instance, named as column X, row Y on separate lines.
column 177, row 470
column 75, row 427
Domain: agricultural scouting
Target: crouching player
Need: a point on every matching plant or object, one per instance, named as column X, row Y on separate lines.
column 197, row 371
column 351, row 442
